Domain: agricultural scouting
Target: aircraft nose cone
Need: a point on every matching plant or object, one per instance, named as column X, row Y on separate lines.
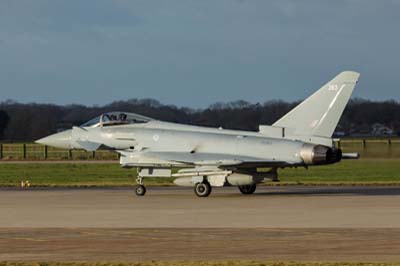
column 59, row 140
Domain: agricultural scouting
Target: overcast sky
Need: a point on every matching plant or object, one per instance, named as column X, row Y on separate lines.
column 195, row 53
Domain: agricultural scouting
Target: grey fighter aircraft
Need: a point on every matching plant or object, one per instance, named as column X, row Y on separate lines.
column 214, row 157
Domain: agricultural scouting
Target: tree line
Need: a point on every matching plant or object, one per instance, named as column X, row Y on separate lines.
column 28, row 122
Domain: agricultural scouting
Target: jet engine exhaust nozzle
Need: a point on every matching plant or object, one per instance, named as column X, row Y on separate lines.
column 318, row 154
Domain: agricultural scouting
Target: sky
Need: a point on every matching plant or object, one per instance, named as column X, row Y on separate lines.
column 195, row 52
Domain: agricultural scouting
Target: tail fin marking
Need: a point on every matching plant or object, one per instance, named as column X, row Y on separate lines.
column 319, row 114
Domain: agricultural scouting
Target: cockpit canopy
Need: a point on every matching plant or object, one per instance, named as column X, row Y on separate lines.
column 116, row 118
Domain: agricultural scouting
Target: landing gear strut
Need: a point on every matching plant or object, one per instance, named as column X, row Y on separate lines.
column 202, row 189
column 248, row 189
column 140, row 189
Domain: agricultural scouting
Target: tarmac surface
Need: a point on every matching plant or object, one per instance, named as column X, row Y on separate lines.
column 285, row 223
column 270, row 207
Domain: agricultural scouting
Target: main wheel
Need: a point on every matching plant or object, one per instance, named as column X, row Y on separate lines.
column 248, row 189
column 202, row 189
column 140, row 190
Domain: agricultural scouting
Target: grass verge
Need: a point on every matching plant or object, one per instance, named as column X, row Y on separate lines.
column 357, row 172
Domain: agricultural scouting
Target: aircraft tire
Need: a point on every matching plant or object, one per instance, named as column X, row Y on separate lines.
column 248, row 189
column 140, row 190
column 202, row 190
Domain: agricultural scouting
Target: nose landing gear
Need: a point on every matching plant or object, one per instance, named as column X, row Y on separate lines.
column 140, row 190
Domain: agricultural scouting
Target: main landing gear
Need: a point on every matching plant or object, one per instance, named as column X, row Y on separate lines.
column 140, row 189
column 248, row 189
column 202, row 189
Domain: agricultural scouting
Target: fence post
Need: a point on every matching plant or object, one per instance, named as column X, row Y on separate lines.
column 93, row 155
column 364, row 143
column 45, row 152
column 70, row 154
column 389, row 142
column 24, row 151
column 1, row 151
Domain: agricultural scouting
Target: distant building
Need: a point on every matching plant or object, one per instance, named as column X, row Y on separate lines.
column 339, row 134
column 381, row 130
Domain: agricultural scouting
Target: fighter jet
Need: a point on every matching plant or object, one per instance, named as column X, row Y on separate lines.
column 203, row 157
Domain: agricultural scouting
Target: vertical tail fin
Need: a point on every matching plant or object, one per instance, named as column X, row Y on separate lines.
column 319, row 114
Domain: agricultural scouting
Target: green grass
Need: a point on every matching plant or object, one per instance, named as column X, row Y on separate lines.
column 196, row 263
column 71, row 174
column 367, row 172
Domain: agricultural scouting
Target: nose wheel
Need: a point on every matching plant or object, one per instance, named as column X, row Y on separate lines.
column 140, row 190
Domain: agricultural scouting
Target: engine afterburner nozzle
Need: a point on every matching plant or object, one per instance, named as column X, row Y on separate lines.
column 318, row 154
